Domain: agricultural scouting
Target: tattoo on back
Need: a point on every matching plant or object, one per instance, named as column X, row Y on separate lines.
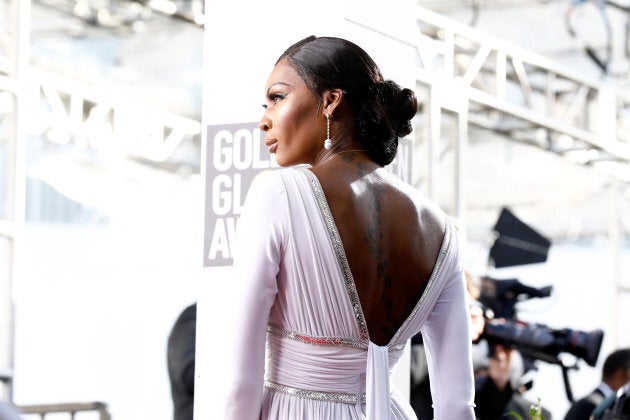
column 374, row 242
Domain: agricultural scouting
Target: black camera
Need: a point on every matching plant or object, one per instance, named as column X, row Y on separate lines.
column 502, row 295
column 543, row 343
column 535, row 341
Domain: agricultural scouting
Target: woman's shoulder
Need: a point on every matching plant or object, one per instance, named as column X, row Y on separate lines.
column 428, row 212
column 269, row 175
column 275, row 181
column 264, row 186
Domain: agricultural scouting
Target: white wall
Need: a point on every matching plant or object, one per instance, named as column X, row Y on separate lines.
column 95, row 304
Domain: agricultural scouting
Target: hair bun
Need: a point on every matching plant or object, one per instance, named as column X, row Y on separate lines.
column 400, row 106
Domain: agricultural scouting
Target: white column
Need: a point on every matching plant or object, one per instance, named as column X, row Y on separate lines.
column 16, row 181
column 433, row 134
column 459, row 205
column 615, row 238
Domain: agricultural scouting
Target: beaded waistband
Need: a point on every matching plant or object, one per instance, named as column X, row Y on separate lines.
column 316, row 395
column 319, row 341
column 325, row 341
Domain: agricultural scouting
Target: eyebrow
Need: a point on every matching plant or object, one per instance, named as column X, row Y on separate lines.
column 276, row 83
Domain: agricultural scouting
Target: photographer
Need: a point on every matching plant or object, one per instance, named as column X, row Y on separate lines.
column 495, row 394
column 533, row 341
column 615, row 373
column 496, row 384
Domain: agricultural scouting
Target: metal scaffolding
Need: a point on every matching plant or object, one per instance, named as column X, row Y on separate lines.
column 517, row 93
column 523, row 97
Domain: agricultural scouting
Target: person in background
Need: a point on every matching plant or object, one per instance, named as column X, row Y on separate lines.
column 615, row 373
column 337, row 262
column 496, row 395
column 180, row 355
column 496, row 375
column 615, row 406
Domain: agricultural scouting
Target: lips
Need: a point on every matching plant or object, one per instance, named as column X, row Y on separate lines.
column 272, row 144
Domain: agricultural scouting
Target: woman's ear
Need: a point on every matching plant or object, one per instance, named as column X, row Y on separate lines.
column 331, row 100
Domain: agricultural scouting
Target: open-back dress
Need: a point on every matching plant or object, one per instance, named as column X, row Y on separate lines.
column 302, row 349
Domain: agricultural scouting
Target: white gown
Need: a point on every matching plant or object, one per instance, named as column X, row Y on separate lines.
column 301, row 349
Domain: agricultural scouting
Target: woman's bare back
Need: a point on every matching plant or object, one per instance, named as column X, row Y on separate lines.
column 391, row 236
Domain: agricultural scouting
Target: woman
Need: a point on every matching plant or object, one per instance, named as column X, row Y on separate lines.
column 339, row 263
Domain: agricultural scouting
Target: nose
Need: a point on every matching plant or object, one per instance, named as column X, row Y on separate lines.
column 265, row 123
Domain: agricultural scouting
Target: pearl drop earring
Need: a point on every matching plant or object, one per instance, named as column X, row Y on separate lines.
column 328, row 141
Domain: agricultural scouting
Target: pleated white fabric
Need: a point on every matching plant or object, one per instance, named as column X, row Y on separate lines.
column 300, row 347
column 377, row 383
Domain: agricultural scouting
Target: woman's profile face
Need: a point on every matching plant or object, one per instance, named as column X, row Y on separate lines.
column 295, row 130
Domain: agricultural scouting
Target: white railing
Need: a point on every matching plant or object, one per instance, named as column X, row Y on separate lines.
column 71, row 409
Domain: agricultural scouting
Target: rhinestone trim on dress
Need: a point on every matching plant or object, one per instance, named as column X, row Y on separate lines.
column 318, row 341
column 339, row 251
column 316, row 395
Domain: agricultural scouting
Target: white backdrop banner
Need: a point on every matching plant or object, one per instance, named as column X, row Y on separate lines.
column 235, row 153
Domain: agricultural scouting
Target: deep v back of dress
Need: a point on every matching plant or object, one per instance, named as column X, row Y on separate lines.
column 390, row 241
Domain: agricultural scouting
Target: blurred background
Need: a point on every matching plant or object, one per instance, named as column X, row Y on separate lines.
column 525, row 107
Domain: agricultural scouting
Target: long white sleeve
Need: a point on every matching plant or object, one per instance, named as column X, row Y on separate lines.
column 447, row 342
column 257, row 255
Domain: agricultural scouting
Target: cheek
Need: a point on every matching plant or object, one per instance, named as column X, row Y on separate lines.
column 297, row 125
column 288, row 121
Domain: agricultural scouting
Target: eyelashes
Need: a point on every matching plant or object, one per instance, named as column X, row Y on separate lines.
column 274, row 99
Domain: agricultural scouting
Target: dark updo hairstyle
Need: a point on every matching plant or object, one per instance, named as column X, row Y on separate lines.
column 381, row 109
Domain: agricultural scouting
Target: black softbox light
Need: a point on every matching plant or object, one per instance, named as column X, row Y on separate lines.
column 517, row 243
